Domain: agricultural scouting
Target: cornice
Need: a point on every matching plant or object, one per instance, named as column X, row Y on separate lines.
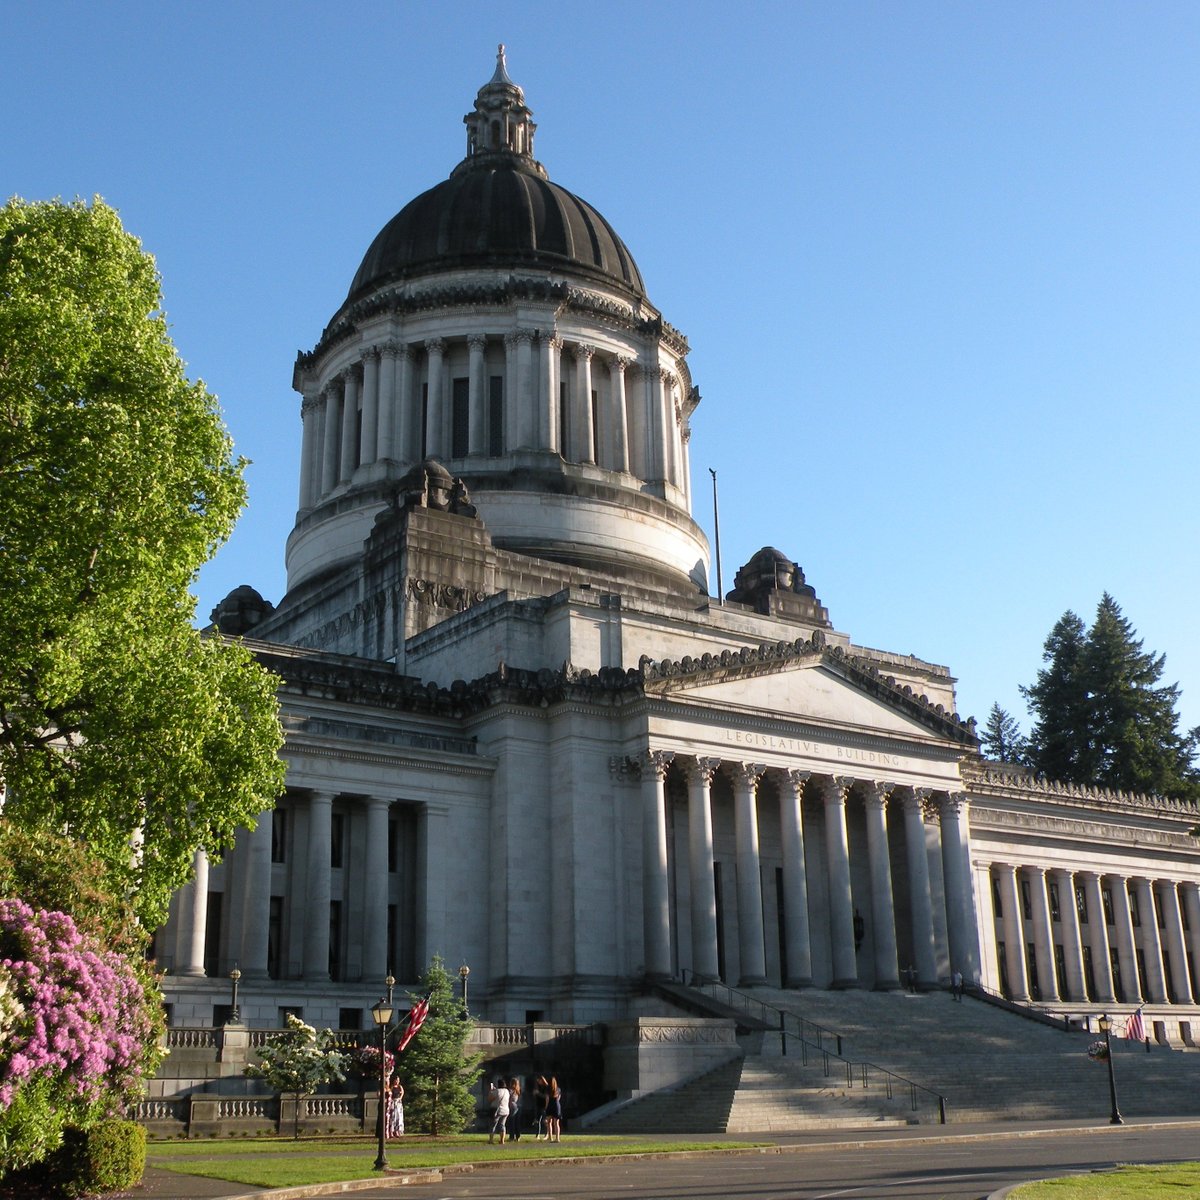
column 1097, row 828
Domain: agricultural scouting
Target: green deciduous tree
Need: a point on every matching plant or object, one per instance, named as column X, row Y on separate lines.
column 298, row 1061
column 1101, row 716
column 118, row 722
column 1001, row 738
column 438, row 1074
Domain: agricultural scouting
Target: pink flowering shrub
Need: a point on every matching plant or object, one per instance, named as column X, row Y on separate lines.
column 78, row 1034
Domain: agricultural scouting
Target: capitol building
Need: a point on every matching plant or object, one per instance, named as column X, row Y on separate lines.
column 521, row 734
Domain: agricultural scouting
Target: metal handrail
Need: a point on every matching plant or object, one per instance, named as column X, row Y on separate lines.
column 860, row 1070
column 1024, row 1008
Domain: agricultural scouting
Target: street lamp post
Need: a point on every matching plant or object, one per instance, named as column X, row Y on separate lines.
column 390, row 983
column 235, row 1016
column 382, row 1015
column 463, row 972
column 1106, row 1029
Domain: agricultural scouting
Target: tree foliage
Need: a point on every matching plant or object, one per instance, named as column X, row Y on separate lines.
column 118, row 721
column 298, row 1061
column 1001, row 738
column 1101, row 716
column 438, row 1074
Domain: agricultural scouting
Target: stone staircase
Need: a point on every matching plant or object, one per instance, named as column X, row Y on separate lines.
column 991, row 1064
column 988, row 1063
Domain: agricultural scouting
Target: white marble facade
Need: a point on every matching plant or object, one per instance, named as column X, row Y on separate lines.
column 520, row 735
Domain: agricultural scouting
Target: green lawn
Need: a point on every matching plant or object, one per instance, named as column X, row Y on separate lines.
column 282, row 1162
column 1125, row 1183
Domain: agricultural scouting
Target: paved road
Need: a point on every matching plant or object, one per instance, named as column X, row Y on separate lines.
column 894, row 1170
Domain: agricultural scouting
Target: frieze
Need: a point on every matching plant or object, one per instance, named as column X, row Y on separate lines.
column 985, row 777
column 430, row 594
column 1095, row 830
column 683, row 1035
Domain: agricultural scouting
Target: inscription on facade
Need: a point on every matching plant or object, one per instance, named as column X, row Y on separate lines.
column 826, row 750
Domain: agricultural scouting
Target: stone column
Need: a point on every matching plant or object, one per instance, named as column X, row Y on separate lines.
column 656, row 910
column 256, row 906
column 387, row 402
column 1098, row 937
column 841, row 900
column 310, row 418
column 349, row 424
column 751, row 945
column 331, row 419
column 797, row 935
column 435, row 421
column 1072, row 943
column 369, row 442
column 618, row 420
column 550, row 434
column 1123, row 928
column 657, row 460
column 527, row 415
column 1190, row 895
column 1176, row 943
column 671, row 429
column 1156, row 983
column 700, row 866
column 408, row 406
column 477, row 403
column 433, row 902
column 920, row 898
column 1014, row 931
column 193, row 926
column 375, row 890
column 584, row 445
column 1043, row 935
column 883, row 913
column 960, row 898
column 317, row 887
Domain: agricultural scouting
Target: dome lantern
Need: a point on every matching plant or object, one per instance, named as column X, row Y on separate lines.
column 501, row 123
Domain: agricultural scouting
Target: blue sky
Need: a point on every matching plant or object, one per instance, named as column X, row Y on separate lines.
column 939, row 263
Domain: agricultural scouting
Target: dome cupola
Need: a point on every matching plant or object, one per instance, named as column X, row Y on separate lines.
column 499, row 325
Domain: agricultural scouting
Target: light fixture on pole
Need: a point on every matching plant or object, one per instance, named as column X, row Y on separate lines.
column 390, row 983
column 1106, row 1029
column 381, row 1014
column 235, row 1016
column 463, row 972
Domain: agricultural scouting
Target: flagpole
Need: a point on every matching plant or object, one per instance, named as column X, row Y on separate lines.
column 717, row 534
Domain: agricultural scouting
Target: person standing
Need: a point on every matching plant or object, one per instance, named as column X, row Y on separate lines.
column 553, row 1110
column 395, row 1108
column 499, row 1100
column 541, row 1094
column 514, row 1110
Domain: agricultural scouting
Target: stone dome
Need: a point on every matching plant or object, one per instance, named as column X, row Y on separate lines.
column 498, row 209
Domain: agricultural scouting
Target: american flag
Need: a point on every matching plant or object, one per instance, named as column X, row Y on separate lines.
column 416, row 1019
column 1135, row 1029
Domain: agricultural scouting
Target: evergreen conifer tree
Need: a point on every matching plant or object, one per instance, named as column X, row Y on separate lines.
column 437, row 1072
column 1101, row 716
column 1001, row 738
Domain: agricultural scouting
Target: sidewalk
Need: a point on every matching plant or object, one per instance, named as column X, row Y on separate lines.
column 166, row 1185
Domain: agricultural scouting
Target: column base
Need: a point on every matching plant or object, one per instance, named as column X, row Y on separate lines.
column 190, row 973
column 886, row 985
column 752, row 981
column 841, row 984
column 800, row 981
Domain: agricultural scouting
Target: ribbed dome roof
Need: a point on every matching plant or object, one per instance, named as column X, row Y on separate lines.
column 503, row 215
column 498, row 209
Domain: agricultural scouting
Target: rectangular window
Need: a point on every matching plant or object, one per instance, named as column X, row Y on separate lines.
column 424, row 420
column 1134, row 912
column 1055, row 914
column 1106, row 896
column 295, row 1010
column 275, row 938
column 337, row 830
column 279, row 835
column 997, row 907
column 335, row 940
column 221, row 1014
column 1081, row 905
column 1158, row 908
column 212, row 934
column 1026, row 900
column 350, row 1018
column 1114, row 965
column 460, row 419
column 393, row 851
column 496, row 415
column 564, row 420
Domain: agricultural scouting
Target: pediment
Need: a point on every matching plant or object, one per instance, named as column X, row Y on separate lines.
column 805, row 682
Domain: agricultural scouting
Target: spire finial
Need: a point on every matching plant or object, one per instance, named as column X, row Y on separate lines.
column 501, row 73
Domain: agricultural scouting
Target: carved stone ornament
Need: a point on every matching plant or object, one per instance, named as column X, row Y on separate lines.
column 443, row 595
column 477, row 342
column 701, row 770
column 435, row 345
